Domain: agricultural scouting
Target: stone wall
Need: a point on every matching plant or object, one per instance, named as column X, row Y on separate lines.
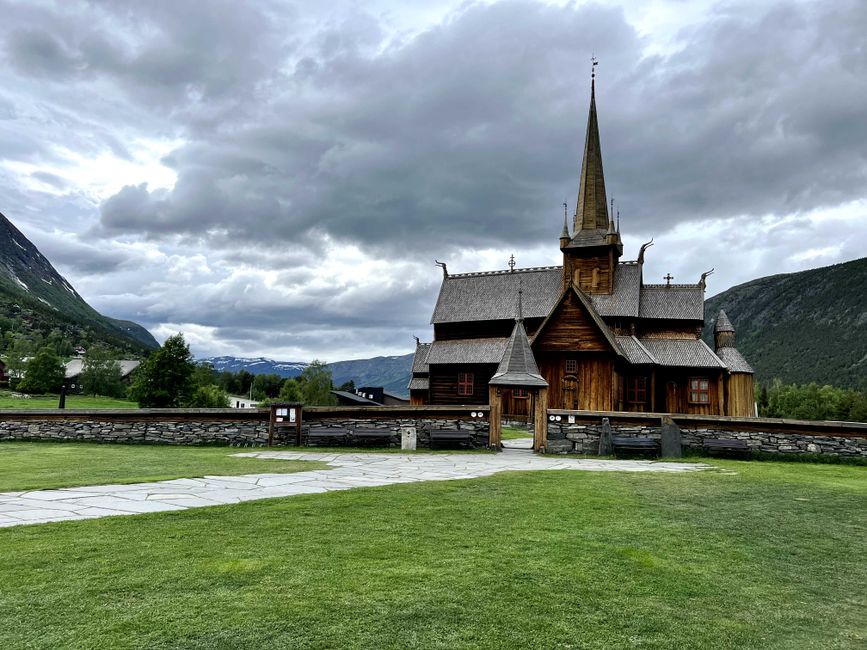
column 237, row 427
column 581, row 434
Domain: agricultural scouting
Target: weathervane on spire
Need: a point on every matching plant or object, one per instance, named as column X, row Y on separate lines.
column 512, row 263
column 594, row 62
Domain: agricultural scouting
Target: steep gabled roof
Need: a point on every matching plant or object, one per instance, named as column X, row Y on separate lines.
column 625, row 298
column 635, row 353
column 419, row 361
column 591, row 311
column 676, row 302
column 518, row 366
column 734, row 361
column 467, row 351
column 685, row 353
column 489, row 296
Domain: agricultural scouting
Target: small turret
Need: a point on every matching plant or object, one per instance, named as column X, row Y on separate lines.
column 565, row 237
column 723, row 332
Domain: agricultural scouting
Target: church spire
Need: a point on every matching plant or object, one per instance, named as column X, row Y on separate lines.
column 592, row 210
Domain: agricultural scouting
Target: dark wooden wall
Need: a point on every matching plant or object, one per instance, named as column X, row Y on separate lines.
column 740, row 397
column 591, row 387
column 570, row 329
column 444, row 383
column 675, row 399
column 482, row 329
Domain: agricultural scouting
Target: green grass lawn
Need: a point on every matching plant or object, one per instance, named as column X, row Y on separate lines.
column 7, row 401
column 514, row 433
column 770, row 557
column 39, row 465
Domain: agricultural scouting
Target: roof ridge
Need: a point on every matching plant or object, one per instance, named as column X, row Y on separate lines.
column 505, row 272
column 671, row 286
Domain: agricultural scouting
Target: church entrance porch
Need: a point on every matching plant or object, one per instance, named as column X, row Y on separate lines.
column 517, row 435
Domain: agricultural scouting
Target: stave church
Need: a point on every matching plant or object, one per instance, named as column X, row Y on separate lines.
column 591, row 331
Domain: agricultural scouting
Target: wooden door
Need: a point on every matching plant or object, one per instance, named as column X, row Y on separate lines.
column 570, row 392
column 671, row 401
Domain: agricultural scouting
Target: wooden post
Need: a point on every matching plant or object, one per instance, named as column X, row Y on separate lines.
column 494, row 425
column 540, row 419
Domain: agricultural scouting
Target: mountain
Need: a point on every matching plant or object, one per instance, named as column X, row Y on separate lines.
column 34, row 292
column 257, row 365
column 392, row 373
column 803, row 327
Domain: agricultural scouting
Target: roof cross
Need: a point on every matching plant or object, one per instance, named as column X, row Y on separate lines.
column 512, row 263
column 668, row 278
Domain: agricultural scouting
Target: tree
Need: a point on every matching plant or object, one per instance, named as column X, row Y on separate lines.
column 267, row 386
column 204, row 374
column 317, row 385
column 17, row 353
column 164, row 380
column 291, row 391
column 101, row 373
column 43, row 373
column 208, row 397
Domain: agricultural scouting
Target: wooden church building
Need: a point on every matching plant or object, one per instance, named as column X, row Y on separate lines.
column 599, row 336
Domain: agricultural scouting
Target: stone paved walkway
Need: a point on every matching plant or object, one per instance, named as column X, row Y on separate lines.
column 348, row 470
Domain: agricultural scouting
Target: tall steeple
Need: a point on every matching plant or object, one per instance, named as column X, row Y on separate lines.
column 591, row 212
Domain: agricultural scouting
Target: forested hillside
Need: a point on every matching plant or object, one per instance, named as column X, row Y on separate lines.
column 801, row 327
column 36, row 299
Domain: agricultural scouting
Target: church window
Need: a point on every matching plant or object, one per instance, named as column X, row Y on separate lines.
column 571, row 366
column 465, row 384
column 699, row 390
column 636, row 390
column 520, row 393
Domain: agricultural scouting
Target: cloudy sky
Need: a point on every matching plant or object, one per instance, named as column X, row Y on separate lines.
column 275, row 177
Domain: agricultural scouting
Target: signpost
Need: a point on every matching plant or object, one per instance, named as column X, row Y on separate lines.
column 285, row 415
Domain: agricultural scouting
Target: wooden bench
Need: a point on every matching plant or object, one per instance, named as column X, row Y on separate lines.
column 725, row 445
column 450, row 436
column 635, row 445
column 329, row 435
column 372, row 436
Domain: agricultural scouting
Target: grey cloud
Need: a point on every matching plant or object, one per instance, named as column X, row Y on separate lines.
column 430, row 145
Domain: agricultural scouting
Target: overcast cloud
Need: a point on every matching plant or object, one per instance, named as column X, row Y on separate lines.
column 276, row 178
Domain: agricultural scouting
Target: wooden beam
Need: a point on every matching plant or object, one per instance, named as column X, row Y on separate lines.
column 540, row 420
column 494, row 417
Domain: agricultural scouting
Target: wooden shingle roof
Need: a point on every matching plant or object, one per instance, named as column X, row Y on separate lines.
column 691, row 353
column 419, row 361
column 635, row 353
column 467, row 351
column 518, row 366
column 734, row 361
column 624, row 300
column 676, row 302
column 490, row 296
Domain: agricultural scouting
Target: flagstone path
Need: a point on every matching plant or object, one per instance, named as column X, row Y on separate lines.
column 348, row 470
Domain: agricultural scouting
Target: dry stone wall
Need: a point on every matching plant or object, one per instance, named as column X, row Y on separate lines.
column 772, row 436
column 244, row 428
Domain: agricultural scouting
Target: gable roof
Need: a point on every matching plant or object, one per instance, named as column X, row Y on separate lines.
column 518, row 365
column 685, row 353
column 467, row 351
column 624, row 299
column 355, row 399
column 419, row 361
column 73, row 367
column 734, row 361
column 489, row 296
column 635, row 353
column 591, row 311
column 677, row 301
